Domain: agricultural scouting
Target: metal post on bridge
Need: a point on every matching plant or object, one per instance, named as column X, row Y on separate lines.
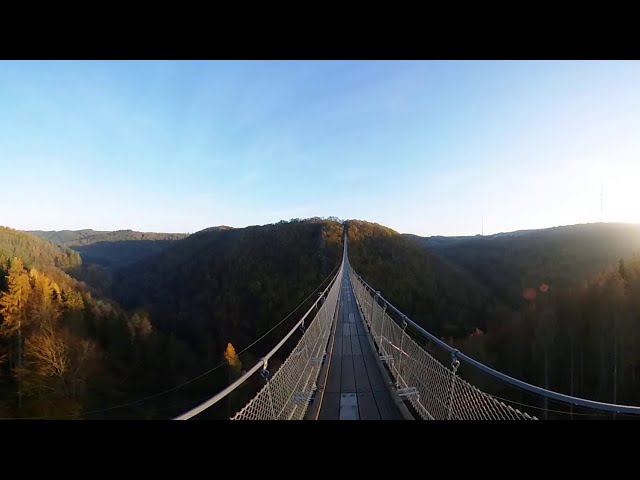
column 383, row 313
column 265, row 374
column 404, row 327
column 373, row 301
column 455, row 363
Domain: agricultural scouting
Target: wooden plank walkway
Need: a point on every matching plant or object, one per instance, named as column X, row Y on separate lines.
column 354, row 388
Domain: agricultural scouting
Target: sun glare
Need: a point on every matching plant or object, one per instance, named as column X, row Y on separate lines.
column 620, row 194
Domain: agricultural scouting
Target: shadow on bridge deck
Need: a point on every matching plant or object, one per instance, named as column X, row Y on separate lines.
column 352, row 386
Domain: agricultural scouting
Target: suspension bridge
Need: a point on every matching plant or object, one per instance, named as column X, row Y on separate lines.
column 360, row 358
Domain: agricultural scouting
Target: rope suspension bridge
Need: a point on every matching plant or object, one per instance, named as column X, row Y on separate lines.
column 360, row 358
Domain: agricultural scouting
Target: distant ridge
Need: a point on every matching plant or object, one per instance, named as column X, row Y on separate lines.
column 215, row 229
column 559, row 256
column 109, row 249
column 71, row 238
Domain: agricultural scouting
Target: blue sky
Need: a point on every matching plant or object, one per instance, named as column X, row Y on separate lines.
column 423, row 147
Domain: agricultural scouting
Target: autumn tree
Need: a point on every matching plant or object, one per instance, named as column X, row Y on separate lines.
column 13, row 302
column 50, row 361
column 45, row 305
column 232, row 359
column 56, row 367
column 139, row 325
column 52, row 333
column 13, row 308
column 235, row 369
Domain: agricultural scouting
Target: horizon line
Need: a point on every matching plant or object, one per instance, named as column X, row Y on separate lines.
column 321, row 218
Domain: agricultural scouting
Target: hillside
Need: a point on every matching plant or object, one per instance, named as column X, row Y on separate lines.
column 109, row 249
column 443, row 299
column 71, row 238
column 508, row 263
column 232, row 285
column 65, row 237
column 572, row 295
column 78, row 352
column 222, row 285
column 36, row 252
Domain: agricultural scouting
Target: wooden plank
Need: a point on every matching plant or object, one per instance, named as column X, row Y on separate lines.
column 367, row 407
column 360, row 374
column 337, row 345
column 356, row 341
column 346, row 346
column 347, row 377
column 373, row 372
column 330, row 409
column 386, row 406
column 352, row 329
column 349, row 407
column 334, row 375
column 346, row 330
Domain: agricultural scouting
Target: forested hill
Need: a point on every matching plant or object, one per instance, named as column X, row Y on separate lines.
column 65, row 237
column 508, row 263
column 108, row 249
column 49, row 259
column 35, row 252
column 231, row 285
column 70, row 238
column 445, row 300
column 77, row 352
column 573, row 302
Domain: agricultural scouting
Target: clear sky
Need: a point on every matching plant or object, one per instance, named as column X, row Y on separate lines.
column 422, row 147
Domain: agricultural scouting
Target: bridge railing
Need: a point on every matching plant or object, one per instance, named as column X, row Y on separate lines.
column 434, row 390
column 286, row 395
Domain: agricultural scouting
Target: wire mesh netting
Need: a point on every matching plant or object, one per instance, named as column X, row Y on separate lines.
column 435, row 391
column 286, row 396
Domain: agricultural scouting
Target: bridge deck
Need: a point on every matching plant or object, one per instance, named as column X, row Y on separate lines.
column 354, row 388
